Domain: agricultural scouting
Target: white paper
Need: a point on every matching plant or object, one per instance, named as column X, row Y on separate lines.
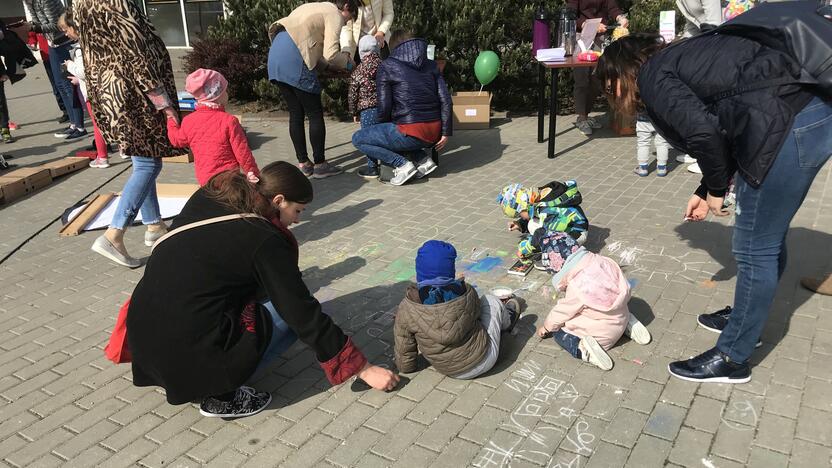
column 590, row 29
column 551, row 55
column 470, row 112
column 169, row 207
column 431, row 51
column 667, row 25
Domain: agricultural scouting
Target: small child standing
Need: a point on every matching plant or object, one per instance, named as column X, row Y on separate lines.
column 646, row 135
column 457, row 331
column 75, row 67
column 215, row 137
column 362, row 97
column 593, row 314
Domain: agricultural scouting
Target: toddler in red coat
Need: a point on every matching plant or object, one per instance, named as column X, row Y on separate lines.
column 215, row 137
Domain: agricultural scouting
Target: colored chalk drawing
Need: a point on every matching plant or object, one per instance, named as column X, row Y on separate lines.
column 485, row 265
column 400, row 269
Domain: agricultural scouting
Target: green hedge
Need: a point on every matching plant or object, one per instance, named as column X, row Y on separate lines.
column 461, row 29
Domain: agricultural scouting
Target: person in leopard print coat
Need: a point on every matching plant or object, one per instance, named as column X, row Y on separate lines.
column 131, row 90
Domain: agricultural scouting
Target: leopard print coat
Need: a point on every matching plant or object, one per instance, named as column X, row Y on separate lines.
column 124, row 60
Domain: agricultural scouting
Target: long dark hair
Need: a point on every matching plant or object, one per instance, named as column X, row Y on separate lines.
column 232, row 189
column 351, row 4
column 618, row 69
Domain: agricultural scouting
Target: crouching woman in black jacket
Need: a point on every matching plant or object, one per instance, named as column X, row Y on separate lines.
column 775, row 137
column 222, row 299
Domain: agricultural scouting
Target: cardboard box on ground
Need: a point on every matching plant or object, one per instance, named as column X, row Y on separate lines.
column 21, row 182
column 472, row 110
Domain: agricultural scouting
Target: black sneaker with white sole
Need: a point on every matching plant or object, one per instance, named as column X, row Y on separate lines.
column 712, row 366
column 717, row 321
column 76, row 134
column 246, row 402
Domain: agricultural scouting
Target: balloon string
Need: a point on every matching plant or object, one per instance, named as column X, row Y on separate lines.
column 481, row 86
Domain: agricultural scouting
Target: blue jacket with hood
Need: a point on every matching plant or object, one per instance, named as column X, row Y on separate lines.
column 411, row 89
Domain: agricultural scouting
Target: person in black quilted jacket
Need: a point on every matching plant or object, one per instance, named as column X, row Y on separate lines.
column 700, row 95
column 414, row 106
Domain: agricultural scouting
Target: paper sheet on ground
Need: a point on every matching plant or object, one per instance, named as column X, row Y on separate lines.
column 169, row 207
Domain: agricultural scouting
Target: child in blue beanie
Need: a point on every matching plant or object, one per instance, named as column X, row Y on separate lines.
column 456, row 330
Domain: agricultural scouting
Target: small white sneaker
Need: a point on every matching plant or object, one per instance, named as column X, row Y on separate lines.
column 123, row 156
column 150, row 237
column 425, row 167
column 694, row 168
column 403, row 173
column 103, row 246
column 584, row 127
column 594, row 354
column 637, row 331
column 99, row 163
column 685, row 159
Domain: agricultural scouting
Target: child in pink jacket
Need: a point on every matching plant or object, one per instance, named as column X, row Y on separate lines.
column 215, row 137
column 591, row 317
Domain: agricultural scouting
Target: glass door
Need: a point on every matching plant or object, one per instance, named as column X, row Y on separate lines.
column 200, row 15
column 166, row 16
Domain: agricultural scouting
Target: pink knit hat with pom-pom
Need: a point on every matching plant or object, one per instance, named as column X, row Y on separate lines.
column 205, row 84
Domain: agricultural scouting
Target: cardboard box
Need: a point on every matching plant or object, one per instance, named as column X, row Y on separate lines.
column 472, row 110
column 34, row 178
column 11, row 188
column 64, row 166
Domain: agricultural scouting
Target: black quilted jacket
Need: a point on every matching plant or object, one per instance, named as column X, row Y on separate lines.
column 411, row 89
column 741, row 133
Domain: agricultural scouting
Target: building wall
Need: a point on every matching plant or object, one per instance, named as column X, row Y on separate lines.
column 182, row 22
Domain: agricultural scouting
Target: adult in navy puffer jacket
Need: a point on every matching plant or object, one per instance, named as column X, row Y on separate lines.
column 414, row 108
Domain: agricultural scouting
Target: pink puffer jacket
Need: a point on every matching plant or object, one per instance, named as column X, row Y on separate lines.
column 595, row 303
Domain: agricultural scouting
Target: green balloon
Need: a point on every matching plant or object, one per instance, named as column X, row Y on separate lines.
column 486, row 67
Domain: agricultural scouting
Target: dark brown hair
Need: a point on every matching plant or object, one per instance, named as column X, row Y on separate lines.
column 398, row 36
column 619, row 66
column 352, row 5
column 232, row 189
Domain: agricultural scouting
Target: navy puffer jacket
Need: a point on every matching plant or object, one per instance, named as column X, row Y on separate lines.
column 411, row 89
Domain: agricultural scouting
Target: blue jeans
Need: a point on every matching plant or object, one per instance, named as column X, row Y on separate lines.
column 368, row 119
column 47, row 65
column 384, row 142
column 568, row 342
column 762, row 221
column 282, row 337
column 139, row 193
column 57, row 56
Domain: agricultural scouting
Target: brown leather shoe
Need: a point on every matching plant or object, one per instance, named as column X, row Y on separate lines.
column 818, row 285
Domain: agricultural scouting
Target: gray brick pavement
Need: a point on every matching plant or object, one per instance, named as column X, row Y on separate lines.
column 62, row 403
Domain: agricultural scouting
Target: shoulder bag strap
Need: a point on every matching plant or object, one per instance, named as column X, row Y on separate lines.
column 218, row 219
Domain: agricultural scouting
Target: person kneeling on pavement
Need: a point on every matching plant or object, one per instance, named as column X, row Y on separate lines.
column 456, row 330
column 222, row 297
column 414, row 108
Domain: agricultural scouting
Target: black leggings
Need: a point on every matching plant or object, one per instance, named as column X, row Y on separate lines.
column 4, row 107
column 301, row 105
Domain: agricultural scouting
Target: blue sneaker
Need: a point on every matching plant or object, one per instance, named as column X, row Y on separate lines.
column 661, row 171
column 641, row 170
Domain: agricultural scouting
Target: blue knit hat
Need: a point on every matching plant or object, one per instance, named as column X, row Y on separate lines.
column 435, row 259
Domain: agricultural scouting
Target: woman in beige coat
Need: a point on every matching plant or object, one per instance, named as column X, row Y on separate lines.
column 375, row 18
column 304, row 44
column 131, row 89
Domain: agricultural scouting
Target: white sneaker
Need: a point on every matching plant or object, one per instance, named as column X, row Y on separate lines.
column 403, row 173
column 594, row 354
column 694, row 168
column 637, row 331
column 99, row 163
column 103, row 246
column 685, row 159
column 584, row 127
column 425, row 167
column 123, row 156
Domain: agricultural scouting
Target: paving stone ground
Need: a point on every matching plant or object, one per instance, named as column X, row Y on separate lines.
column 62, row 403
